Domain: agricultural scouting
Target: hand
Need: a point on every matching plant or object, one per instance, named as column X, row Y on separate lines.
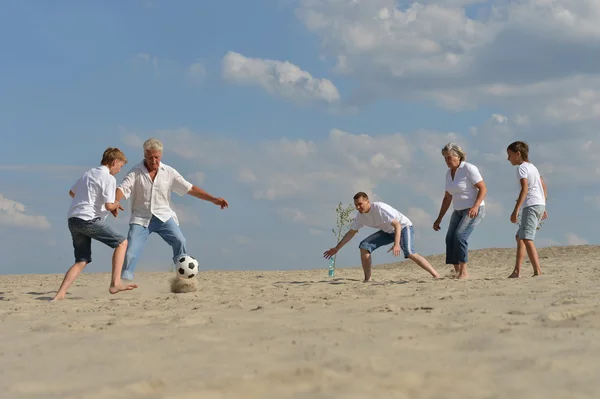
column 514, row 216
column 544, row 215
column 396, row 250
column 220, row 202
column 473, row 212
column 436, row 225
column 330, row 252
column 115, row 212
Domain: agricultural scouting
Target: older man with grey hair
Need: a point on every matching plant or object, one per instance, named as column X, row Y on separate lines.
column 149, row 184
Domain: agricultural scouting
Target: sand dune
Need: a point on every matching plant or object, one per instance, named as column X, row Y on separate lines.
column 298, row 334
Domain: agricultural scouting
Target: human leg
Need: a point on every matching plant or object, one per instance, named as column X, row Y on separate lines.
column 520, row 257
column 407, row 246
column 463, row 232
column 370, row 244
column 171, row 233
column 530, row 219
column 451, row 249
column 82, row 249
column 136, row 239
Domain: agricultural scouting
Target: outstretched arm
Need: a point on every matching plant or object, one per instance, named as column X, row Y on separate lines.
column 203, row 195
column 347, row 237
column 443, row 209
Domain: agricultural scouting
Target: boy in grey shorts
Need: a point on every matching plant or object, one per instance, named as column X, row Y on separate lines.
column 532, row 198
column 93, row 199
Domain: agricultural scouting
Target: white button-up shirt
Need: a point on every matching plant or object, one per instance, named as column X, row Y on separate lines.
column 92, row 191
column 153, row 198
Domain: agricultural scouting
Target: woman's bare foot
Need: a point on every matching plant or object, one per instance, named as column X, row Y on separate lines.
column 515, row 274
column 121, row 287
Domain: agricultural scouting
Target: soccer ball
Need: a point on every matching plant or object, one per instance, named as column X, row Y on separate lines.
column 186, row 266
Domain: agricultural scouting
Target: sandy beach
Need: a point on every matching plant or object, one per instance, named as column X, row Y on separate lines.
column 299, row 334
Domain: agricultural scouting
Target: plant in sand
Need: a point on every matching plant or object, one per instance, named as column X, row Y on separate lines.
column 343, row 222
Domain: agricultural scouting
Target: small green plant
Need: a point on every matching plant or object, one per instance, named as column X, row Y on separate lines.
column 343, row 222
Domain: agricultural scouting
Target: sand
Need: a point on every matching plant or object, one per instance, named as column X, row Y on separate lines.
column 299, row 334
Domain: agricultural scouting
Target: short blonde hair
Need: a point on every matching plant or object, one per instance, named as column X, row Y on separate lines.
column 112, row 154
column 453, row 148
column 153, row 144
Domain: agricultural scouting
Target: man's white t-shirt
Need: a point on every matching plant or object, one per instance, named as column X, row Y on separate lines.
column 535, row 190
column 462, row 187
column 380, row 216
column 153, row 197
column 92, row 190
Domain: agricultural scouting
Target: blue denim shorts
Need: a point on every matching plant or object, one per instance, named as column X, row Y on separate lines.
column 83, row 231
column 530, row 220
column 380, row 238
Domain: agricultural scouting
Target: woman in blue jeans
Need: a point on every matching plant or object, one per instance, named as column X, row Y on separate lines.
column 466, row 189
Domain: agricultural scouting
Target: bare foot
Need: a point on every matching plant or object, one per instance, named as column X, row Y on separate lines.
column 462, row 276
column 514, row 275
column 436, row 276
column 57, row 298
column 121, row 287
column 537, row 274
column 367, row 281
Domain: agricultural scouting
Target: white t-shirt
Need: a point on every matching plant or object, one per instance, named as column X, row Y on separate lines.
column 462, row 188
column 92, row 190
column 535, row 190
column 380, row 216
column 153, row 198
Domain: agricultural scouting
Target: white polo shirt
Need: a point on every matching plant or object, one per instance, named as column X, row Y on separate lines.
column 92, row 190
column 380, row 216
column 535, row 190
column 153, row 198
column 462, row 187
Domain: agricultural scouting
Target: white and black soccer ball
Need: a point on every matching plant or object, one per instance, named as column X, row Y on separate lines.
column 186, row 267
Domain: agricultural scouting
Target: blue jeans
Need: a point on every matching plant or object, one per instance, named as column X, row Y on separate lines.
column 138, row 236
column 380, row 238
column 82, row 233
column 460, row 228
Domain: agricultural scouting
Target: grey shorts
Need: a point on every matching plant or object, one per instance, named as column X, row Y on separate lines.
column 530, row 220
column 83, row 231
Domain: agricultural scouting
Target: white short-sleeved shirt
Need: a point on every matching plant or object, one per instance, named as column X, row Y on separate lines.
column 92, row 190
column 462, row 187
column 535, row 190
column 153, row 198
column 380, row 216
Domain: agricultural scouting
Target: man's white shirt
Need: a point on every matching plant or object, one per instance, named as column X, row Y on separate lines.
column 153, row 198
column 380, row 216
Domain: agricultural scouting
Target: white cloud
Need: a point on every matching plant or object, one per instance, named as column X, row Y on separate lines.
column 276, row 77
column 419, row 217
column 245, row 175
column 196, row 178
column 530, row 54
column 573, row 239
column 243, row 240
column 196, row 72
column 142, row 59
column 13, row 214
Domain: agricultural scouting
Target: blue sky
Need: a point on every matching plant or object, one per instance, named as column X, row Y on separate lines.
column 288, row 107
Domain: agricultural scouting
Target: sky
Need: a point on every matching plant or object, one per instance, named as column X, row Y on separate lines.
column 288, row 107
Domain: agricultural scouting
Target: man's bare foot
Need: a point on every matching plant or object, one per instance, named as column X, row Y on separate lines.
column 367, row 281
column 462, row 276
column 121, row 287
column 57, row 298
column 514, row 274
column 536, row 274
column 436, row 276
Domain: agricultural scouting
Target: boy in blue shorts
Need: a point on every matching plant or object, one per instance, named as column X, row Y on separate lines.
column 393, row 227
column 532, row 203
column 93, row 199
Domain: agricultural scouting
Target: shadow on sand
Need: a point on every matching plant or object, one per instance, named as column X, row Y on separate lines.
column 337, row 281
